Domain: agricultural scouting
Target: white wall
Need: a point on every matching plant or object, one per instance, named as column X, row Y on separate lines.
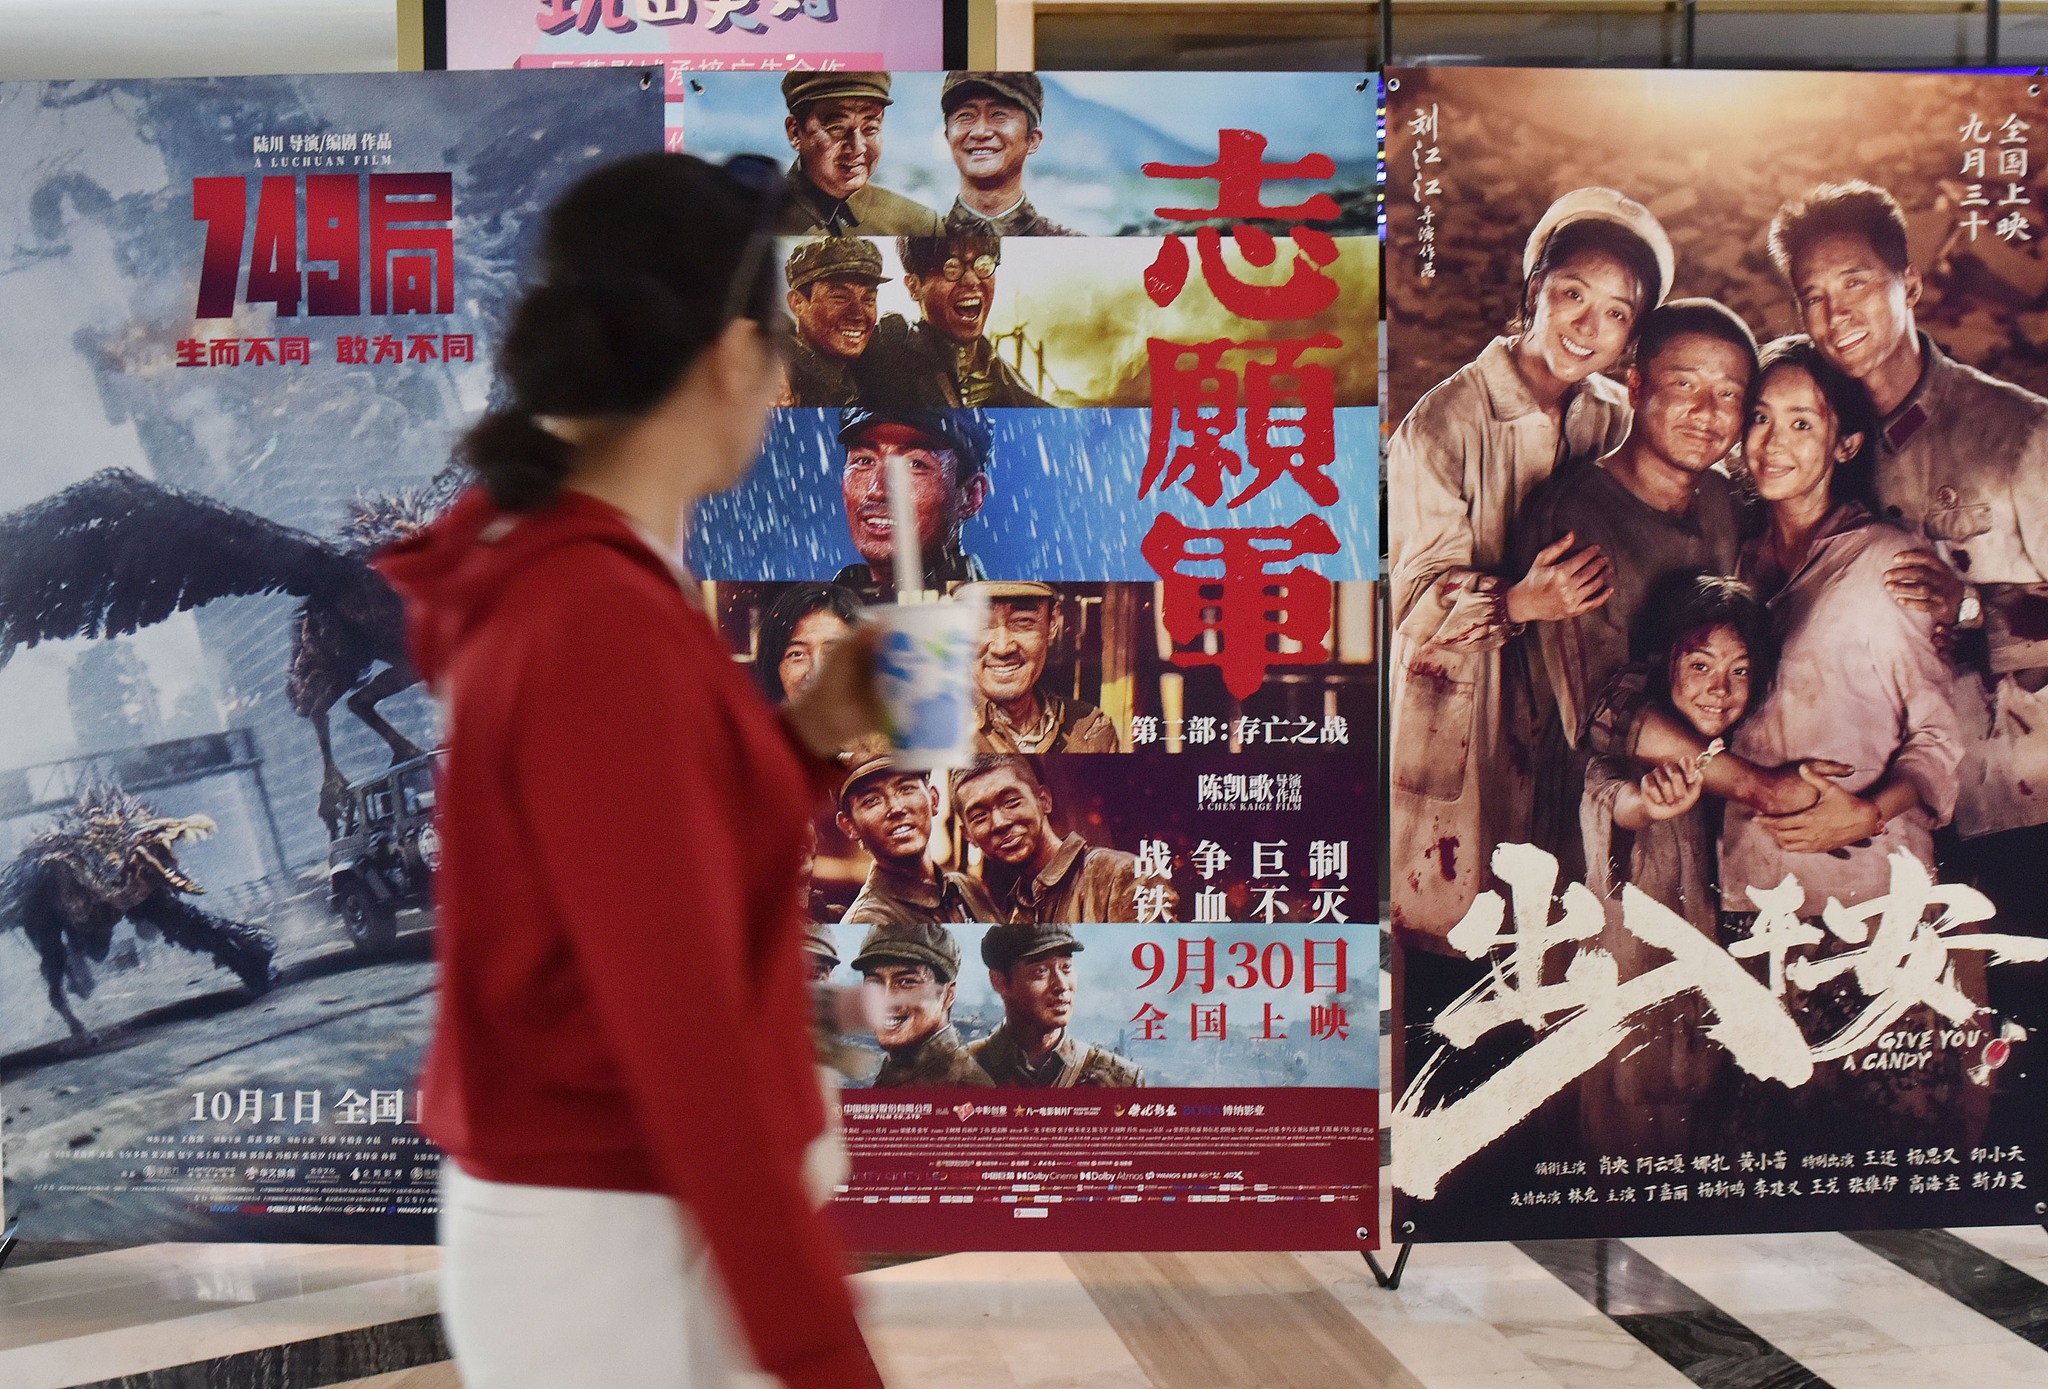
column 195, row 38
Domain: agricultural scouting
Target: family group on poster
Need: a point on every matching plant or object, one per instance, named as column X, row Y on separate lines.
column 1715, row 596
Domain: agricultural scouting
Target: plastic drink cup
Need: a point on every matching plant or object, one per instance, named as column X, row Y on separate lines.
column 924, row 667
column 924, row 672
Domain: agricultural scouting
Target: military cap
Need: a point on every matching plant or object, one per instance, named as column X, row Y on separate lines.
column 1018, row 88
column 918, row 943
column 963, row 431
column 863, row 760
column 819, row 941
column 996, row 590
column 1006, row 946
column 835, row 258
column 1594, row 204
column 801, row 88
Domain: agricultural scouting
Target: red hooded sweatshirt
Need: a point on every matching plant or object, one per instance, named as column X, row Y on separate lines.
column 622, row 815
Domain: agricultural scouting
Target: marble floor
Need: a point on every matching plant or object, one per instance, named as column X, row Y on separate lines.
column 1930, row 1309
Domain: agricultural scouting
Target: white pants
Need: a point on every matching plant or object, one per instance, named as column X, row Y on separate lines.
column 548, row 1287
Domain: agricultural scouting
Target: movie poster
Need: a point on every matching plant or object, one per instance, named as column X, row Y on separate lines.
column 687, row 37
column 250, row 316
column 1121, row 329
column 1717, row 558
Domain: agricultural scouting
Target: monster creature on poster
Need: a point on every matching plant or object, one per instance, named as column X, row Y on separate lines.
column 1718, row 546
column 253, row 316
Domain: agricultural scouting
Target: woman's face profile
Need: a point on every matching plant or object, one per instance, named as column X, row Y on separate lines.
column 748, row 379
column 1710, row 680
column 1584, row 316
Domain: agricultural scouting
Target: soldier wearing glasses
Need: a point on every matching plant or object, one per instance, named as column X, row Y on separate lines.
column 835, row 127
column 944, row 360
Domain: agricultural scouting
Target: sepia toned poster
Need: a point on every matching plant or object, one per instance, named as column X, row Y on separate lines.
column 253, row 316
column 1121, row 329
column 1717, row 521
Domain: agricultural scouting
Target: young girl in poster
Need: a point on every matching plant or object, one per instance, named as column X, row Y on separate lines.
column 1650, row 827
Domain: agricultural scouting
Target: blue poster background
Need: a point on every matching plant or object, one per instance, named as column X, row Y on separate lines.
column 1063, row 504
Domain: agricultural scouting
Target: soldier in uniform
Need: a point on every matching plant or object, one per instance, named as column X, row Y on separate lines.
column 1031, row 872
column 947, row 452
column 1017, row 713
column 832, row 310
column 821, row 952
column 944, row 359
column 1031, row 968
column 1961, row 459
column 912, row 967
column 890, row 811
column 992, row 126
column 835, row 127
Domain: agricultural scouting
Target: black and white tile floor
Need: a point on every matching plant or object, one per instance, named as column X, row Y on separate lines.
column 1928, row 1309
column 1913, row 1309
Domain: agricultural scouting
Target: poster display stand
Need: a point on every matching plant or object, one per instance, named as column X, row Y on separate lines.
column 1066, row 300
column 1714, row 651
column 1688, row 942
column 262, row 311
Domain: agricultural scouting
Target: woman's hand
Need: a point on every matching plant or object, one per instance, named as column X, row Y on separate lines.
column 840, row 705
column 1670, row 790
column 1561, row 584
column 1919, row 581
column 1836, row 819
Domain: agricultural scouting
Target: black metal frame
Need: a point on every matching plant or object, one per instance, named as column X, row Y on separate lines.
column 954, row 53
column 1390, row 1281
column 434, row 35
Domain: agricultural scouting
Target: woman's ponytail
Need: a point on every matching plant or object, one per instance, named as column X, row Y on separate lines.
column 638, row 258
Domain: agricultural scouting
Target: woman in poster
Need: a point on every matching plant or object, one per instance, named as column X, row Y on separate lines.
column 803, row 620
column 1458, row 468
column 1860, row 682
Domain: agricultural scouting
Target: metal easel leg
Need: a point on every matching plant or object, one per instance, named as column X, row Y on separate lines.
column 1389, row 1281
column 8, row 1241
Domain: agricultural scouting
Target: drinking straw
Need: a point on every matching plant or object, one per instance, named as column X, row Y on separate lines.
column 903, row 539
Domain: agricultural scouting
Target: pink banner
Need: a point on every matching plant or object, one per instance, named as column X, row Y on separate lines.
column 866, row 35
column 676, row 69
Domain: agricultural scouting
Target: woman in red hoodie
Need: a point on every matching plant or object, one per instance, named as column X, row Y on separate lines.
column 621, row 1073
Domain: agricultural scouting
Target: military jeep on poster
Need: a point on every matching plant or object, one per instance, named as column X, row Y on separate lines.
column 385, row 852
